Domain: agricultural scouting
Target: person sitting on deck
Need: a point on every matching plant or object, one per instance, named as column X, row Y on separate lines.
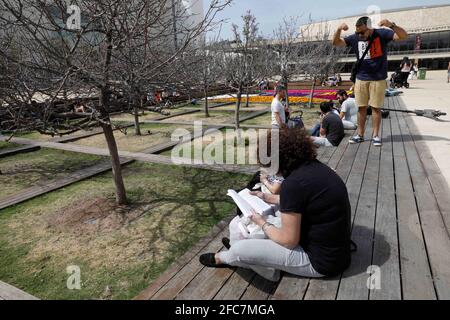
column 349, row 110
column 331, row 130
column 313, row 239
column 315, row 131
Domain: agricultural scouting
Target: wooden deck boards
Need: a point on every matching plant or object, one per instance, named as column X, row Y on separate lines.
column 401, row 223
column 8, row 292
column 400, row 209
column 38, row 190
column 23, row 149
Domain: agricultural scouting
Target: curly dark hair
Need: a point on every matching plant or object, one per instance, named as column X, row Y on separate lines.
column 295, row 148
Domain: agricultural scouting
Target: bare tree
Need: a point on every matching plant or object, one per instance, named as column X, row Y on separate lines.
column 286, row 43
column 245, row 59
column 208, row 69
column 318, row 57
column 46, row 59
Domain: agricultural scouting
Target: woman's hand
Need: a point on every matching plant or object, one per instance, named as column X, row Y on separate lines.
column 259, row 194
column 257, row 219
column 263, row 178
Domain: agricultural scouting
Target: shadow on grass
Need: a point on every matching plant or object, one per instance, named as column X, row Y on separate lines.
column 200, row 193
column 45, row 165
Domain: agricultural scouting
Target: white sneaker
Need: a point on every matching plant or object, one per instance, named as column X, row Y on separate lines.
column 356, row 139
column 377, row 142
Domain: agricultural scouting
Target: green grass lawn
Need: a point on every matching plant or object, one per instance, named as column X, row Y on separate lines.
column 119, row 250
column 8, row 146
column 130, row 118
column 214, row 117
column 22, row 171
column 43, row 137
column 252, row 106
column 199, row 146
column 152, row 135
column 149, row 115
column 310, row 118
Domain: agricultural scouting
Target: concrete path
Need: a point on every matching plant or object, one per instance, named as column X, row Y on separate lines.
column 433, row 93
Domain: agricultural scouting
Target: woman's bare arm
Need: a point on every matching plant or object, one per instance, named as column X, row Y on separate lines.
column 274, row 187
column 268, row 198
column 288, row 235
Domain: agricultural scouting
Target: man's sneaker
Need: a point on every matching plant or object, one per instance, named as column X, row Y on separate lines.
column 377, row 142
column 356, row 139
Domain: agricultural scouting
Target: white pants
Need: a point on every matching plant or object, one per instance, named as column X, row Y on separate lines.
column 264, row 256
column 348, row 125
column 237, row 235
column 322, row 142
column 267, row 258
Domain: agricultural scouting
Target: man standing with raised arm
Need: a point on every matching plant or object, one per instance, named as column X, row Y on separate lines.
column 372, row 72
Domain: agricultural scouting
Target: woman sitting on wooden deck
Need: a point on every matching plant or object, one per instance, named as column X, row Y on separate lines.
column 314, row 240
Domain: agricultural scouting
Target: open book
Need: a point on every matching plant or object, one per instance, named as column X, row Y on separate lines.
column 246, row 203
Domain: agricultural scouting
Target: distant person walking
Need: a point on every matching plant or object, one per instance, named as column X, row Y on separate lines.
column 415, row 70
column 262, row 85
column 371, row 48
column 406, row 67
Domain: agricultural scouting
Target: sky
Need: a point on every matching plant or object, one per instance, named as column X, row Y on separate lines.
column 269, row 13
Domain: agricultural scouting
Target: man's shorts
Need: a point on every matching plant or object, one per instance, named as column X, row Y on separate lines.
column 370, row 93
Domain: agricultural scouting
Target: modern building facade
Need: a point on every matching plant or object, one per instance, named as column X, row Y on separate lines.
column 428, row 27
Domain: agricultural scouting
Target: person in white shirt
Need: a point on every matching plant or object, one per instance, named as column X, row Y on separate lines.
column 278, row 109
column 349, row 110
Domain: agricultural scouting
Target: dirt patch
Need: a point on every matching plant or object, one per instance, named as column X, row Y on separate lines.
column 92, row 216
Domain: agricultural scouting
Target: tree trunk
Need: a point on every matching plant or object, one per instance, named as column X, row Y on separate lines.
column 121, row 196
column 286, row 84
column 137, row 126
column 143, row 106
column 247, row 104
column 206, row 101
column 238, row 108
column 311, row 96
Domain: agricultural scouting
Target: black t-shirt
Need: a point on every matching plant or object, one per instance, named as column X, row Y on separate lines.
column 334, row 128
column 320, row 196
